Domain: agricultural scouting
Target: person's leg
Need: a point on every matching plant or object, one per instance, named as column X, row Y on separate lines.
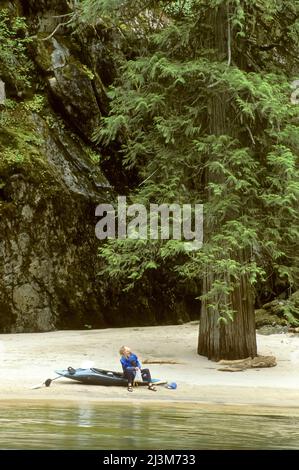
column 146, row 375
column 129, row 375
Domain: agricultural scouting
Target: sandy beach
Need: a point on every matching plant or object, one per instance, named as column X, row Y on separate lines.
column 31, row 358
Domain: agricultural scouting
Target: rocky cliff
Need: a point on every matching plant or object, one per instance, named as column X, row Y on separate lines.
column 52, row 177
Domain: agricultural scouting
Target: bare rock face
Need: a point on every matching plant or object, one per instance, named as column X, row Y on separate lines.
column 49, row 187
column 44, row 6
column 73, row 93
column 48, row 248
column 77, row 92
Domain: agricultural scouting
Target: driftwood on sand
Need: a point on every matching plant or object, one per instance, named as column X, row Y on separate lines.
column 248, row 363
column 160, row 361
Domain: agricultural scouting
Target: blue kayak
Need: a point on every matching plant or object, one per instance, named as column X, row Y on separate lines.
column 94, row 376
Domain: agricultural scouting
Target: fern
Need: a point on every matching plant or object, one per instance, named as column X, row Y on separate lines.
column 160, row 109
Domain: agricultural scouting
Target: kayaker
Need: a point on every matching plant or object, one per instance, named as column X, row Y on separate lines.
column 131, row 365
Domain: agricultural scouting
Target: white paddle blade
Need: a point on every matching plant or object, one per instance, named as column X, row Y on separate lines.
column 159, row 382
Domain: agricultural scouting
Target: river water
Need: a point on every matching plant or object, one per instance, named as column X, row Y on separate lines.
column 146, row 426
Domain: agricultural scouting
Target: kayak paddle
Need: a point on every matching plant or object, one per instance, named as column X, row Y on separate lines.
column 46, row 383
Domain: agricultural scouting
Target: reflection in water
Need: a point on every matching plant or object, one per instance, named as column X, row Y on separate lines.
column 137, row 426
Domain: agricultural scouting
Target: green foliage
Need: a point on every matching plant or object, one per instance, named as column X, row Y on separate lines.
column 116, row 14
column 13, row 156
column 19, row 143
column 88, row 72
column 161, row 111
column 130, row 261
column 15, row 67
column 10, row 104
column 95, row 157
column 36, row 104
column 291, row 312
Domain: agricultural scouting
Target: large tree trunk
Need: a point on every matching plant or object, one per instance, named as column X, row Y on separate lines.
column 235, row 339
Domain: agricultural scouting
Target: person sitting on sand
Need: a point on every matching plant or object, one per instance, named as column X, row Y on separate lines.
column 131, row 365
